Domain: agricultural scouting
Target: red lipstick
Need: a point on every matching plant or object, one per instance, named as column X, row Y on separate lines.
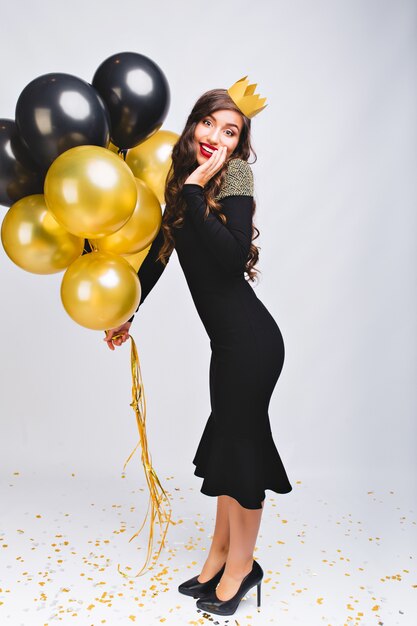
column 207, row 153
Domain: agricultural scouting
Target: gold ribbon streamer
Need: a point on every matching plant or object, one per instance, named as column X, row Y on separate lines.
column 157, row 494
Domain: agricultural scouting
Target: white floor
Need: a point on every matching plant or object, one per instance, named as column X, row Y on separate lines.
column 329, row 559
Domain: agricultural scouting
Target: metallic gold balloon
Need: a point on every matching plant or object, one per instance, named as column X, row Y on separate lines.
column 34, row 240
column 100, row 290
column 90, row 191
column 140, row 230
column 150, row 160
column 136, row 260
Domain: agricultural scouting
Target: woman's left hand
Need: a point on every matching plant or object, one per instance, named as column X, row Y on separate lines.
column 122, row 333
column 204, row 172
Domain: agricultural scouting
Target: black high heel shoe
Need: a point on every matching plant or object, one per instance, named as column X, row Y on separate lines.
column 212, row 604
column 194, row 588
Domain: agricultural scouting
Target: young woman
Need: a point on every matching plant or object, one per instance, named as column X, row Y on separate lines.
column 208, row 219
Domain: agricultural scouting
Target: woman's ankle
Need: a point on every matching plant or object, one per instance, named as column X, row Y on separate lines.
column 217, row 555
column 214, row 562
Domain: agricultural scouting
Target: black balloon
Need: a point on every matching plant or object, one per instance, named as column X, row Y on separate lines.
column 19, row 175
column 137, row 96
column 87, row 247
column 56, row 112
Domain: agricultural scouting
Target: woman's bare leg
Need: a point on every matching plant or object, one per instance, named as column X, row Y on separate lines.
column 220, row 542
column 244, row 528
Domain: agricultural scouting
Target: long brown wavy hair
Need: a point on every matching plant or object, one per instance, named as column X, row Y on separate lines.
column 184, row 162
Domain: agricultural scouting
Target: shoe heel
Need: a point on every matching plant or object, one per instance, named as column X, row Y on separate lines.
column 259, row 595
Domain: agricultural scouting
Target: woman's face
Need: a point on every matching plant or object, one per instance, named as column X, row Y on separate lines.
column 220, row 128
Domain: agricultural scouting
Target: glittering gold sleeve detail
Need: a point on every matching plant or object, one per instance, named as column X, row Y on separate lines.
column 238, row 180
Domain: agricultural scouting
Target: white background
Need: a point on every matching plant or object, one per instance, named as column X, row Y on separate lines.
column 335, row 184
column 336, row 191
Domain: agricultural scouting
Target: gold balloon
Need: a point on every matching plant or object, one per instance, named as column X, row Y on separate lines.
column 136, row 260
column 100, row 290
column 140, row 230
column 150, row 160
column 90, row 191
column 34, row 240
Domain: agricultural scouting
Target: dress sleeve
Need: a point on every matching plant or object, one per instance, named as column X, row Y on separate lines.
column 151, row 270
column 230, row 242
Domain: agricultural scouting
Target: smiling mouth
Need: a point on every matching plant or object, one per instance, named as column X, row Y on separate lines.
column 207, row 150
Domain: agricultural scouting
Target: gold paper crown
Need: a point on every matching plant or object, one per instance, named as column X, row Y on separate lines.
column 244, row 97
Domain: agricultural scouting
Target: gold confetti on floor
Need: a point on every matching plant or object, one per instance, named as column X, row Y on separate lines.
column 331, row 561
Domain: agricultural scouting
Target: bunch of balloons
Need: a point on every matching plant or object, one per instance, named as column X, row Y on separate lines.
column 83, row 169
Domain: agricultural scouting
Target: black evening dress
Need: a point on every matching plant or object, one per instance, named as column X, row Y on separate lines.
column 236, row 455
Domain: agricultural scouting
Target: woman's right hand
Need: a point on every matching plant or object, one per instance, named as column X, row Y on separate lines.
column 202, row 174
column 122, row 330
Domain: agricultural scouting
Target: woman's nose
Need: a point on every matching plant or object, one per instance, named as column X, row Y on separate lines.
column 213, row 137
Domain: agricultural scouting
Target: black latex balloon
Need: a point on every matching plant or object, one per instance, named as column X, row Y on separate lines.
column 56, row 112
column 87, row 247
column 19, row 175
column 137, row 96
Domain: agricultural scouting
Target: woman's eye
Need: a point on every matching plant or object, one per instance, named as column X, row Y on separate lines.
column 230, row 132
